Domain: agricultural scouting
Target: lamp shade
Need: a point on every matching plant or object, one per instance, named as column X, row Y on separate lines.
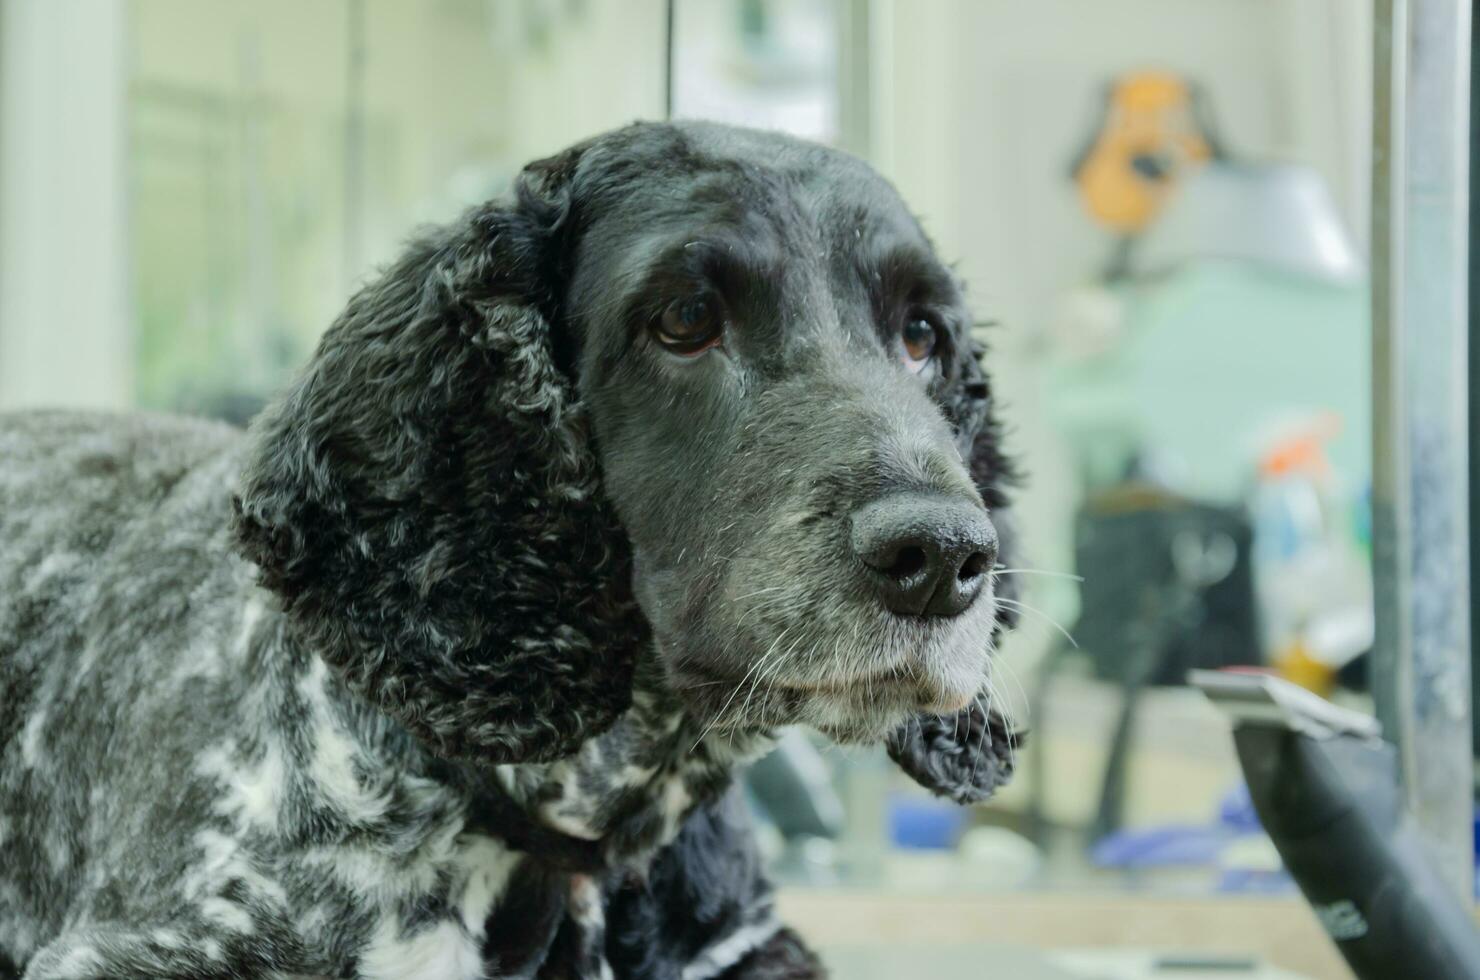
column 1278, row 215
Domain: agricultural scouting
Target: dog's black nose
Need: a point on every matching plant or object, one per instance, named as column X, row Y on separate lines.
column 928, row 555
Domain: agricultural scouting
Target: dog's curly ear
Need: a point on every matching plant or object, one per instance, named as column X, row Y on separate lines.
column 973, row 412
column 965, row 757
column 426, row 502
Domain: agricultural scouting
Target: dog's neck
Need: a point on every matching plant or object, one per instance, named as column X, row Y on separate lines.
column 615, row 801
column 625, row 792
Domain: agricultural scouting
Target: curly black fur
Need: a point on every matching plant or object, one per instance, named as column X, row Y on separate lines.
column 785, row 956
column 964, row 757
column 426, row 502
column 713, row 873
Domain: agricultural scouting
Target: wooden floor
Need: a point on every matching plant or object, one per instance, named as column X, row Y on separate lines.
column 875, row 933
column 1012, row 963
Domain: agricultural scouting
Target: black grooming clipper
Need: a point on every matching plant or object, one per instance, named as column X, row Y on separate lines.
column 1325, row 785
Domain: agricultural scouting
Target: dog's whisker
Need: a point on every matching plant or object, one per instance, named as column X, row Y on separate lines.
column 986, row 727
column 770, row 672
column 1037, row 571
column 775, row 644
column 725, row 707
column 759, row 676
column 1012, row 676
column 1020, row 604
column 752, row 595
column 1008, row 729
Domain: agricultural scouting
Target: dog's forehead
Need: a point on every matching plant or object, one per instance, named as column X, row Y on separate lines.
column 691, row 174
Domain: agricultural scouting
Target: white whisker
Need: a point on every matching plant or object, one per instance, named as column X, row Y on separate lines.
column 1027, row 705
column 752, row 595
column 779, row 663
column 1039, row 612
column 1037, row 571
column 733, row 694
column 986, row 731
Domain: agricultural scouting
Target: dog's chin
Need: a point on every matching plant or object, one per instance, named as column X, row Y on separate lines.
column 859, row 711
column 847, row 728
column 863, row 714
column 870, row 712
column 859, row 695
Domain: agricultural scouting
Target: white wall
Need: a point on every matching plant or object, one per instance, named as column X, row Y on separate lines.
column 985, row 102
column 173, row 179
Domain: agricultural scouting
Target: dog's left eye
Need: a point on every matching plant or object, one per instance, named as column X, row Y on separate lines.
column 919, row 338
column 690, row 326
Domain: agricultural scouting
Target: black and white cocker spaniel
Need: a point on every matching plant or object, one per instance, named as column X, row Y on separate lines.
column 443, row 670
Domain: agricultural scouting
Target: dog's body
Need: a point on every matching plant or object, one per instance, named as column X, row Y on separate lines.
column 371, row 693
column 186, row 791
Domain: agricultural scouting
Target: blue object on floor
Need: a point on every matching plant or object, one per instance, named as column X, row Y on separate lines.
column 1237, row 813
column 921, row 824
column 1160, row 847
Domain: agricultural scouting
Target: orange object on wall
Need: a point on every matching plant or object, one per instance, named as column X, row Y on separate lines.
column 1150, row 133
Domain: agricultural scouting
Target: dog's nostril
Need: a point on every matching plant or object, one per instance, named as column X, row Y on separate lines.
column 973, row 566
column 907, row 563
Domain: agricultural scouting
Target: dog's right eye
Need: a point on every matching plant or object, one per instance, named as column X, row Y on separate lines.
column 690, row 326
column 919, row 338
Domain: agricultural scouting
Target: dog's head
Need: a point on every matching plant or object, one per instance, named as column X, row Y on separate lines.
column 695, row 386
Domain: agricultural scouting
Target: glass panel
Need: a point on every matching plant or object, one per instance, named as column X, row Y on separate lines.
column 280, row 152
column 761, row 64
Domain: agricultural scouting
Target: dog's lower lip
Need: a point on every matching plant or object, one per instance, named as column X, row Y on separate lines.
column 936, row 702
column 885, row 687
column 869, row 683
column 946, row 703
column 932, row 695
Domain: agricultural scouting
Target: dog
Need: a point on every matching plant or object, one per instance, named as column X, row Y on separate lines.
column 444, row 669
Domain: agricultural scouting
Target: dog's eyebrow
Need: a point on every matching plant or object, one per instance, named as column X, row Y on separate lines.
column 734, row 266
column 662, row 272
column 907, row 272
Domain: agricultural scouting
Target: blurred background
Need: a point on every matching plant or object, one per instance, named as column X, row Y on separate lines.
column 1160, row 208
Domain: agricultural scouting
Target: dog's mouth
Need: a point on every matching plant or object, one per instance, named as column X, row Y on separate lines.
column 766, row 655
column 926, row 692
column 855, row 708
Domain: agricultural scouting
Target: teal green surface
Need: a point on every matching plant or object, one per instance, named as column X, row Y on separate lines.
column 1212, row 361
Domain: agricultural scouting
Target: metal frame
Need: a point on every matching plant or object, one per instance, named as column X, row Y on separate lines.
column 1420, row 504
